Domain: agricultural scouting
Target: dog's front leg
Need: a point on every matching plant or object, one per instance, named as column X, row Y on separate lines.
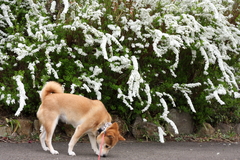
column 93, row 142
column 77, row 134
column 71, row 144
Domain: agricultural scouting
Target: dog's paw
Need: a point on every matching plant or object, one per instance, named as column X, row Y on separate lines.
column 54, row 152
column 72, row 153
column 97, row 152
column 45, row 148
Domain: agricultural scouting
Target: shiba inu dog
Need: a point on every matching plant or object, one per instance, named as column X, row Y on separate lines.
column 86, row 115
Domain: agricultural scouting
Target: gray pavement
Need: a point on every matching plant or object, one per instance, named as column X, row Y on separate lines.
column 128, row 150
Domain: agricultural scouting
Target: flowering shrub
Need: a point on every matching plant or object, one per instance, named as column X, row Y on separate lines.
column 139, row 57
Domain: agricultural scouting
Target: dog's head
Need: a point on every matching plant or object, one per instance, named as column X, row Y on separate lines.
column 111, row 137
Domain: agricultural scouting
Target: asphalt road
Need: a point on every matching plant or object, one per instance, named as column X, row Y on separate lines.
column 129, row 150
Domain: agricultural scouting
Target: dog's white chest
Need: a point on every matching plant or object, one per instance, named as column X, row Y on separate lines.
column 63, row 118
column 68, row 120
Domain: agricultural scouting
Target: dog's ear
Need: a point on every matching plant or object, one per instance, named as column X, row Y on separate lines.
column 120, row 138
column 114, row 126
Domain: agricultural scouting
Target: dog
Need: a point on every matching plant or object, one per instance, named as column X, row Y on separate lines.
column 86, row 115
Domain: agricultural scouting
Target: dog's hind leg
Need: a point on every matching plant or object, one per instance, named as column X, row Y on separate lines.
column 49, row 133
column 42, row 138
column 93, row 142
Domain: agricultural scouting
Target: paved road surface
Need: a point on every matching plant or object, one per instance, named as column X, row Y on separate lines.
column 129, row 150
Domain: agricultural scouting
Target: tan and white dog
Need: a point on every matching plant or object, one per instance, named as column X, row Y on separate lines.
column 86, row 115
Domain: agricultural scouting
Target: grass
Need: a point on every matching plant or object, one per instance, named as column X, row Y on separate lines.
column 217, row 137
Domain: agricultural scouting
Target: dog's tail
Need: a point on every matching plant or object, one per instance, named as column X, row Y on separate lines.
column 49, row 88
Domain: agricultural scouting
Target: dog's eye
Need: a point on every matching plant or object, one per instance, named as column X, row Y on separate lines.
column 107, row 146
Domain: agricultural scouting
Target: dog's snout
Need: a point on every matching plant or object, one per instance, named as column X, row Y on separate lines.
column 104, row 155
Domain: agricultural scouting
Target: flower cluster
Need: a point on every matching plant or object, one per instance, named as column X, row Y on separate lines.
column 141, row 53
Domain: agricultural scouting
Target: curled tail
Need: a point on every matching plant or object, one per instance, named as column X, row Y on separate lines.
column 49, row 88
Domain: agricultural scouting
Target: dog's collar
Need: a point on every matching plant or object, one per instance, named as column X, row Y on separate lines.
column 104, row 127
